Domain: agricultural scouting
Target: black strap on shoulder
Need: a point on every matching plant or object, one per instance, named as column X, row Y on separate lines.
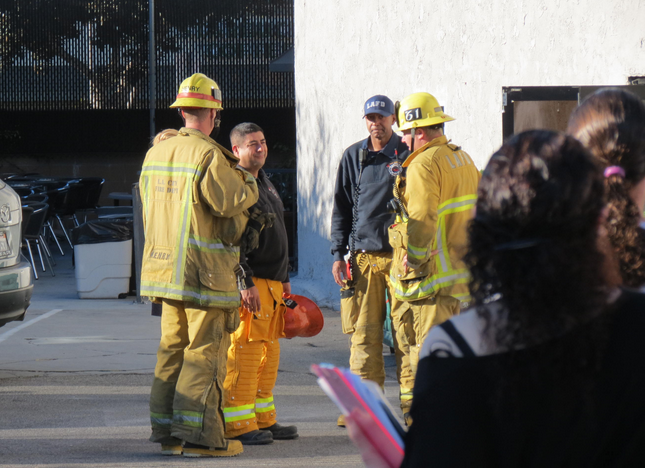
column 450, row 329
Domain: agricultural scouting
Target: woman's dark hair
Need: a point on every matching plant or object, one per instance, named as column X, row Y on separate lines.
column 611, row 124
column 534, row 239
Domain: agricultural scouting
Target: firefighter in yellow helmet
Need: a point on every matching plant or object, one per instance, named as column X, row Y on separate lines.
column 194, row 209
column 435, row 199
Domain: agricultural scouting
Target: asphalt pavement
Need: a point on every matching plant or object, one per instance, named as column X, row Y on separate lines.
column 75, row 379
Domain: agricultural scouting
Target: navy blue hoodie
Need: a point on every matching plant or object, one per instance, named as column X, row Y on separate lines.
column 375, row 191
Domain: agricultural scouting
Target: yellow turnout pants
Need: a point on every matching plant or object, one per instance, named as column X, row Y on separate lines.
column 253, row 363
column 363, row 315
column 420, row 316
column 187, row 388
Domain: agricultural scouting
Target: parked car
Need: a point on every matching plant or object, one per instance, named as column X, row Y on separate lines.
column 16, row 280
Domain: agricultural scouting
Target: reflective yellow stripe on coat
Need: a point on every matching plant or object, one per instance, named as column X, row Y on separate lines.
column 174, row 170
column 194, row 202
column 439, row 192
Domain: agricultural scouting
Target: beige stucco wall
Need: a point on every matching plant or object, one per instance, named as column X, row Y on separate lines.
column 462, row 52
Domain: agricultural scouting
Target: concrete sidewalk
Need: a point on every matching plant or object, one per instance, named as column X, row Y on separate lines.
column 75, row 378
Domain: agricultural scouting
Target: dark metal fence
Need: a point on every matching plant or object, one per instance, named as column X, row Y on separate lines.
column 94, row 54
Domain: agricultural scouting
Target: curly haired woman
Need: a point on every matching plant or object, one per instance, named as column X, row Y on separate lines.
column 548, row 368
column 611, row 124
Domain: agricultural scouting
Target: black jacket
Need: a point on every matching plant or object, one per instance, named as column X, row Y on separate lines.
column 375, row 191
column 270, row 259
column 465, row 412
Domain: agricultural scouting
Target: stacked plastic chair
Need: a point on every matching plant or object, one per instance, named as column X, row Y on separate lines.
column 32, row 233
column 89, row 197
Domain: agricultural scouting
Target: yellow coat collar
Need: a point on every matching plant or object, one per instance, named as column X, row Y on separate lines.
column 228, row 154
column 441, row 140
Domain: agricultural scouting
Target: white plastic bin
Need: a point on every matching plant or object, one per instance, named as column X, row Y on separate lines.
column 103, row 270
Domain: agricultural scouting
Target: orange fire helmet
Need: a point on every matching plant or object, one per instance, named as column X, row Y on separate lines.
column 302, row 317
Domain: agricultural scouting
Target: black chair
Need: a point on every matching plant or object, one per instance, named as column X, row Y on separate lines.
column 37, row 198
column 20, row 184
column 66, row 209
column 23, row 191
column 33, row 233
column 55, row 193
column 26, row 215
column 43, row 198
column 89, row 198
column 26, row 176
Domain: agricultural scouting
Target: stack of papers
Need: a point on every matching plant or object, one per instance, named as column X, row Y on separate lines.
column 350, row 393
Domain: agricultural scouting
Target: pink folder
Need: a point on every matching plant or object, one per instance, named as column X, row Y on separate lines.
column 350, row 393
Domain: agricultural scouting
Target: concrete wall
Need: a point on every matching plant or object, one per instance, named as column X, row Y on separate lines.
column 462, row 52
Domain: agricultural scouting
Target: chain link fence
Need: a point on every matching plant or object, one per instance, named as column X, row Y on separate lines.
column 94, row 54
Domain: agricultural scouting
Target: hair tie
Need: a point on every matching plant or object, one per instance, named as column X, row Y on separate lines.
column 614, row 170
column 520, row 244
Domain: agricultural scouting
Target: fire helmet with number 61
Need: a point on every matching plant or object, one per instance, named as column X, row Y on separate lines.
column 420, row 110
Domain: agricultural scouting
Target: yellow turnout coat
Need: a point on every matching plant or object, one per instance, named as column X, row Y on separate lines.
column 438, row 192
column 194, row 208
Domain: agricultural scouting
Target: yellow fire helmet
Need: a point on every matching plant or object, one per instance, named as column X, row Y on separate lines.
column 199, row 91
column 420, row 110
